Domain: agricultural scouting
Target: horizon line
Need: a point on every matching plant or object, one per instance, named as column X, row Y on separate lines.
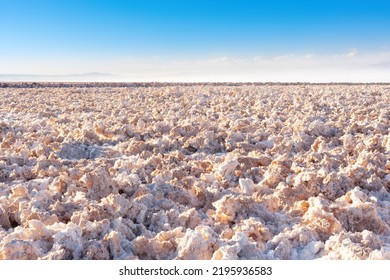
column 23, row 84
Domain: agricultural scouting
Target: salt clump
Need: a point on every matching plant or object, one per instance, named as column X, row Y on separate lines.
column 194, row 171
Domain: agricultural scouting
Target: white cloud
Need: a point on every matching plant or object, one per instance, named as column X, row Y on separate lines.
column 219, row 59
column 258, row 58
column 350, row 66
column 353, row 52
column 309, row 55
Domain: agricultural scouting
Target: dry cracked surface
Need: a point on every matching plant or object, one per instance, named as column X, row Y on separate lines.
column 195, row 172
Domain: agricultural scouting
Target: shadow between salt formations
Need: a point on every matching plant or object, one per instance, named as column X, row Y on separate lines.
column 79, row 150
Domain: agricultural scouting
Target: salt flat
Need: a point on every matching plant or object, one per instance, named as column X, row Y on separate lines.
column 202, row 171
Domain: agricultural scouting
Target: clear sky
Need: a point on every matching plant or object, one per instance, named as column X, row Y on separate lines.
column 198, row 40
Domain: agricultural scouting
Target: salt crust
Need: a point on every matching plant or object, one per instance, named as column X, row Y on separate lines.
column 195, row 172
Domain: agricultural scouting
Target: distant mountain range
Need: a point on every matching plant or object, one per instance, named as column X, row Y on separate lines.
column 84, row 77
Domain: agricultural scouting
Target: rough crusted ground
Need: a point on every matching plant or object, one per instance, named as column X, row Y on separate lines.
column 195, row 172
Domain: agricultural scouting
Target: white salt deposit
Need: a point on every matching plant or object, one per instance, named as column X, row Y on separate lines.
column 195, row 172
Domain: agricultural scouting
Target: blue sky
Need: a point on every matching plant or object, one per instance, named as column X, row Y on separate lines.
column 198, row 40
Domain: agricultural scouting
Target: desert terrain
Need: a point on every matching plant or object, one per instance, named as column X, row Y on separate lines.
column 194, row 171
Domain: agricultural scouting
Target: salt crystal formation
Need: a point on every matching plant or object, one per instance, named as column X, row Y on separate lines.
column 194, row 171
